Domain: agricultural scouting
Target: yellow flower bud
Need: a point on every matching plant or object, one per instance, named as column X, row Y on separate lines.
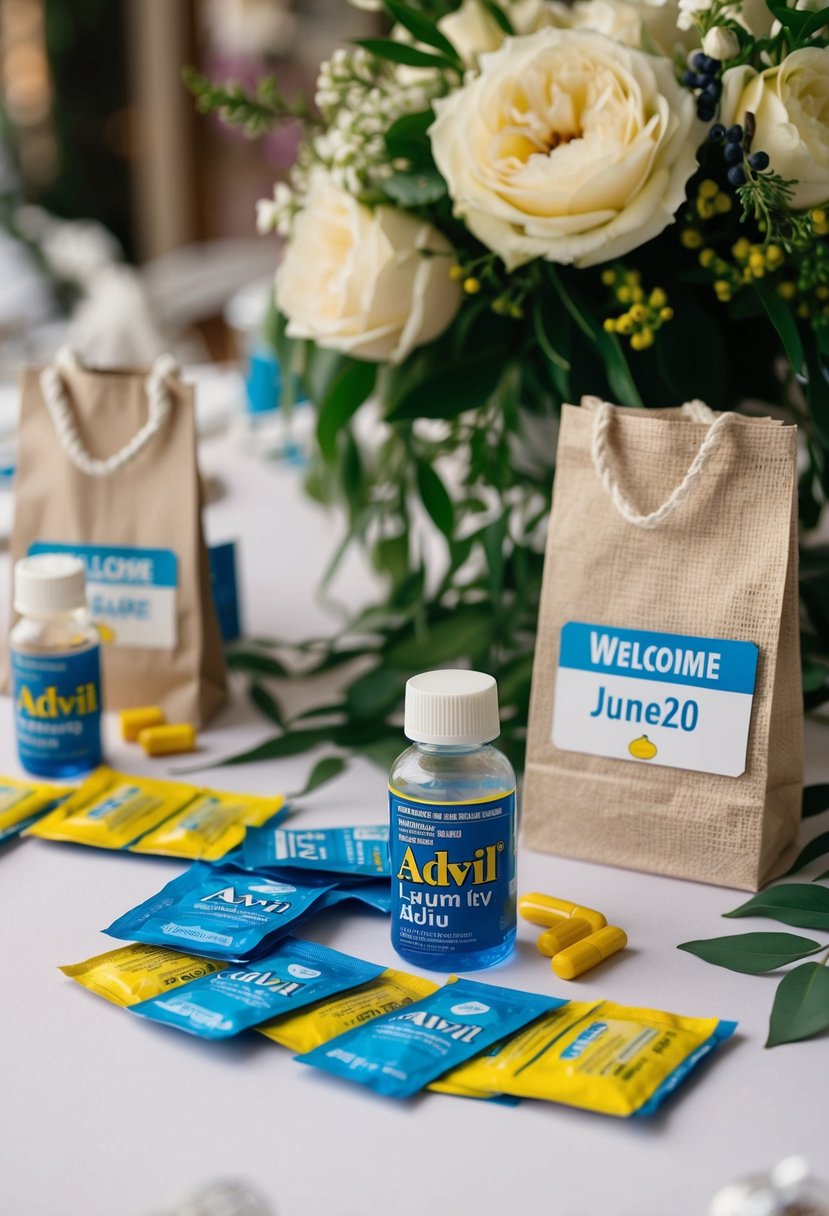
column 708, row 188
column 787, row 290
column 624, row 324
column 723, row 203
column 608, row 277
column 774, row 256
column 638, row 313
column 707, row 257
column 456, row 273
column 691, row 238
column 472, row 286
column 642, row 340
column 741, row 249
column 658, row 298
column 623, row 295
column 609, row 325
column 666, row 314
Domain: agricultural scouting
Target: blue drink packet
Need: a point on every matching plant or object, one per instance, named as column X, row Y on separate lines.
column 296, row 973
column 375, row 895
column 360, row 851
column 220, row 911
column 399, row 1053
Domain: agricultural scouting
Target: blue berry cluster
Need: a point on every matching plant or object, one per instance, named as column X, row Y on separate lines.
column 704, row 77
column 736, row 152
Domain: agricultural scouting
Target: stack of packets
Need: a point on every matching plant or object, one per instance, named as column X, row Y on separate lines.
column 398, row 1034
column 22, row 803
column 111, row 810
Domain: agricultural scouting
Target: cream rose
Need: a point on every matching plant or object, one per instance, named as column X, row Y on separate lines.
column 568, row 147
column 473, row 30
column 791, row 106
column 644, row 25
column 371, row 283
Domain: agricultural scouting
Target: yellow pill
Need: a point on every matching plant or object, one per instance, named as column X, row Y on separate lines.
column 133, row 721
column 589, row 952
column 547, row 910
column 167, row 740
column 562, row 935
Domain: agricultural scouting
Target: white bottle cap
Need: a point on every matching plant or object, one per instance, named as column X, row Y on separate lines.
column 49, row 583
column 453, row 706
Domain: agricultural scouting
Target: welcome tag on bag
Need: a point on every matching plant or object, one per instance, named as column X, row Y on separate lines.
column 131, row 592
column 654, row 698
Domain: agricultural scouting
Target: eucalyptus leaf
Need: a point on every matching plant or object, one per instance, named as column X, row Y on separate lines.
column 608, row 346
column 417, row 188
column 256, row 664
column 267, row 703
column 801, row 1005
column 782, row 318
column 402, row 52
column 815, row 800
column 376, row 692
column 818, row 847
column 324, row 770
column 793, row 903
column 347, row 394
column 752, row 953
column 435, row 498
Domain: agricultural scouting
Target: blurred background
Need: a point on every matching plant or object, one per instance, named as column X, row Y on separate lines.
column 127, row 221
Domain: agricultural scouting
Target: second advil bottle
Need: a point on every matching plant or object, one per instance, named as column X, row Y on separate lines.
column 452, row 828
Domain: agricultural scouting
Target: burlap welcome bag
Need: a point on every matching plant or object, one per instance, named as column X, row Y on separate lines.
column 669, row 522
column 106, row 468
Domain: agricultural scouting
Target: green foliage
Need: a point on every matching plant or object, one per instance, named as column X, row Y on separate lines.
column 792, row 903
column 801, row 1005
column 256, row 113
column 752, row 953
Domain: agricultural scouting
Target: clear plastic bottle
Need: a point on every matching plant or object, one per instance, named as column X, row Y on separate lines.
column 56, row 669
column 452, row 830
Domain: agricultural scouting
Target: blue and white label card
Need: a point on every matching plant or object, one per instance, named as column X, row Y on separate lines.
column 131, row 592
column 655, row 698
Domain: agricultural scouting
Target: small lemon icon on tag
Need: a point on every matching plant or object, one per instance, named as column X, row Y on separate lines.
column 642, row 748
column 106, row 634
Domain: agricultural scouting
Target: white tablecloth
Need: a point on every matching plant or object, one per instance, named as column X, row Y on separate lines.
column 105, row 1115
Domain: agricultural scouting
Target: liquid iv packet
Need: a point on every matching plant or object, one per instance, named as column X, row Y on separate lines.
column 375, row 895
column 111, row 810
column 294, row 974
column 360, row 851
column 23, row 802
column 304, row 1031
column 400, row 1053
column 219, row 911
column 134, row 973
column 599, row 1056
column 211, row 825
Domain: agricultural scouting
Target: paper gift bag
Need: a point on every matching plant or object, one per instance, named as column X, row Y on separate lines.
column 106, row 468
column 669, row 592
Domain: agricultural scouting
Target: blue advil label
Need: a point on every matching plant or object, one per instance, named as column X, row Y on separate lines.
column 452, row 873
column 57, row 706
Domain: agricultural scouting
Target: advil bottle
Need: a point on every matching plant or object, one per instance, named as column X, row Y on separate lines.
column 452, row 827
column 56, row 668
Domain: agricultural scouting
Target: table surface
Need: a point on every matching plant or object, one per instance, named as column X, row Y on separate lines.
column 106, row 1115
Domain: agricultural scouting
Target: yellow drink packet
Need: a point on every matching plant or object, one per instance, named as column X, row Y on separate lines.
column 614, row 1059
column 136, row 973
column 209, row 826
column 21, row 801
column 310, row 1028
column 111, row 810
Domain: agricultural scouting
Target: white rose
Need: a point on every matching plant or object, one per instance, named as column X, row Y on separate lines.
column 567, row 147
column 721, row 43
column 644, row 25
column 791, row 106
column 373, row 284
column 473, row 30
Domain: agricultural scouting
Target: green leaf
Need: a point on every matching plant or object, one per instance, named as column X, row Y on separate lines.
column 407, row 137
column 418, row 188
column 817, row 393
column 818, row 847
column 347, row 394
column 794, row 903
column 421, row 27
column 324, row 770
column 375, row 693
column 401, row 52
column 498, row 16
column 435, row 499
column 752, row 953
column 445, row 392
column 801, row 1005
column 255, row 664
column 782, row 318
column 295, row 743
column 618, row 373
column 267, row 703
column 460, row 636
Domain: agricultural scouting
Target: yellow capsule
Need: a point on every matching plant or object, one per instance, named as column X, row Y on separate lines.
column 565, row 933
column 548, row 910
column 133, row 721
column 589, row 952
column 168, row 740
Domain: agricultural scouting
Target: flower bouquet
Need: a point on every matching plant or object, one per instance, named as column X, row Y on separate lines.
column 501, row 205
